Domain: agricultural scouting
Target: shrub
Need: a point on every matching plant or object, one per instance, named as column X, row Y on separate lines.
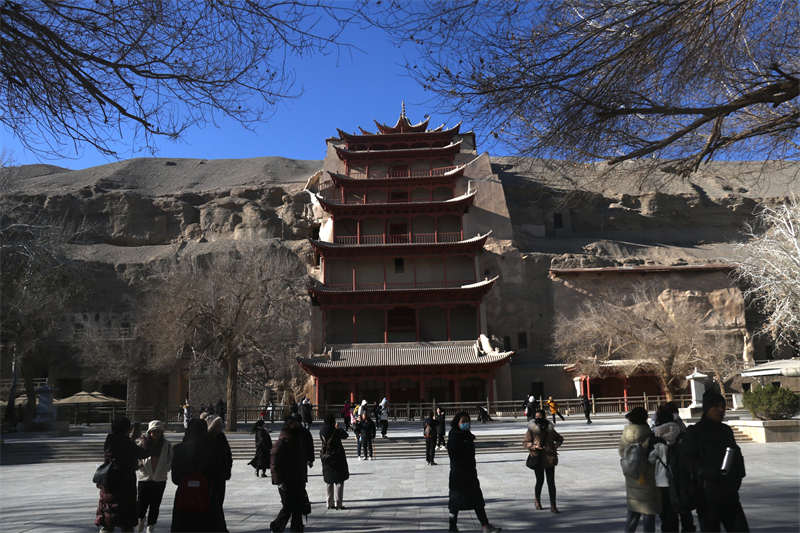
column 771, row 402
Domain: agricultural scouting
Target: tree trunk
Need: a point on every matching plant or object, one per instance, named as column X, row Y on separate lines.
column 233, row 380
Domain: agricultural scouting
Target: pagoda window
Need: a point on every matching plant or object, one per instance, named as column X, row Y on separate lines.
column 399, row 265
column 401, row 319
column 399, row 146
column 345, row 231
column 463, row 322
column 378, row 169
column 398, row 196
column 442, row 193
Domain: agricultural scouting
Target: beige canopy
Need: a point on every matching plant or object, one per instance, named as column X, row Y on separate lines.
column 90, row 398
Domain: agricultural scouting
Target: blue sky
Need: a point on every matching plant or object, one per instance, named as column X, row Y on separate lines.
column 344, row 92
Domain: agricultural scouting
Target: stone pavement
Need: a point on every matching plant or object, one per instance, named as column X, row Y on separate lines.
column 408, row 495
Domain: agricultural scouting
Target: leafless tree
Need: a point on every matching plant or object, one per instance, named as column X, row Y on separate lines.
column 647, row 329
column 671, row 83
column 77, row 73
column 37, row 282
column 224, row 307
column 771, row 269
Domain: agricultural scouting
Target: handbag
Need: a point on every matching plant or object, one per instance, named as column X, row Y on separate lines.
column 104, row 473
column 534, row 461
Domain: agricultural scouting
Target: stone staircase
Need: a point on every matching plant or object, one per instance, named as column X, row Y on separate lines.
column 68, row 451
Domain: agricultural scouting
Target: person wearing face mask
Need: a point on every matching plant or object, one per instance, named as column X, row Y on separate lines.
column 542, row 441
column 465, row 489
column 289, row 469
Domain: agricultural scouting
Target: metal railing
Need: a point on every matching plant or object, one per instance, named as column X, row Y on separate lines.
column 408, row 411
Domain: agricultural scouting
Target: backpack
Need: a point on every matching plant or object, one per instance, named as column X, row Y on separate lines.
column 634, row 461
column 193, row 495
column 327, row 454
column 428, row 431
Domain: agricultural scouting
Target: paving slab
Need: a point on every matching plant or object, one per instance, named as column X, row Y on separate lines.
column 408, row 495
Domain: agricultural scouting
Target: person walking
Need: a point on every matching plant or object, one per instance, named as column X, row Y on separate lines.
column 187, row 415
column 441, row 431
column 117, row 505
column 709, row 447
column 586, row 405
column 358, row 427
column 334, row 467
column 263, row 446
column 196, row 463
column 218, row 490
column 528, row 407
column 383, row 413
column 465, row 488
column 152, row 474
column 542, row 440
column 289, row 471
column 346, row 414
column 429, row 432
column 643, row 497
column 554, row 409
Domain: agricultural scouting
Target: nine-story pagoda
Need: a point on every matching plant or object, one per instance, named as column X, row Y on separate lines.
column 399, row 294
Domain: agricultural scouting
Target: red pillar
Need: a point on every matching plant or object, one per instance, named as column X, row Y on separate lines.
column 384, row 273
column 588, row 387
column 317, row 395
column 354, row 274
column 352, row 391
column 355, row 330
column 625, row 391
column 386, row 326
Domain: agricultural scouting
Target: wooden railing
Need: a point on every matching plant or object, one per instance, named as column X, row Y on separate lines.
column 427, row 173
column 397, row 286
column 416, row 238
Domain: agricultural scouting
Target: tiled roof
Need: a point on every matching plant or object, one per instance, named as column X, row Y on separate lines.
column 368, row 205
column 412, row 354
column 332, row 245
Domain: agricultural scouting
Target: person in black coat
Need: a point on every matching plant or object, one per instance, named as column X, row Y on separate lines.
column 441, row 428
column 586, row 405
column 465, row 489
column 289, row 470
column 306, row 413
column 367, row 430
column 197, row 454
column 334, row 470
column 263, row 445
column 117, row 505
column 429, row 430
column 702, row 453
column 218, row 491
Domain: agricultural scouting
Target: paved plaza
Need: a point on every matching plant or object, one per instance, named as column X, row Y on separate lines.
column 408, row 495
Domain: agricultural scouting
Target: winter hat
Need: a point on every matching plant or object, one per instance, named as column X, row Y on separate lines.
column 297, row 416
column 711, row 398
column 155, row 424
column 637, row 415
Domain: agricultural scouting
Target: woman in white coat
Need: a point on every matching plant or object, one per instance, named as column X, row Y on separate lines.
column 153, row 474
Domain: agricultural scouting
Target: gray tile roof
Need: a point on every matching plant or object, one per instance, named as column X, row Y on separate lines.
column 410, row 354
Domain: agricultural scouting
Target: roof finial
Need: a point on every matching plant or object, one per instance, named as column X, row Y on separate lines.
column 403, row 111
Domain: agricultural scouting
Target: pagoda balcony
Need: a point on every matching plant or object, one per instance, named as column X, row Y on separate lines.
column 384, row 286
column 426, row 173
column 416, row 238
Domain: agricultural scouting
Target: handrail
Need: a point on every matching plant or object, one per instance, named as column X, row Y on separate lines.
column 397, row 286
column 416, row 238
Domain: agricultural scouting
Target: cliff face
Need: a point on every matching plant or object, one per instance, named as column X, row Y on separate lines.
column 143, row 210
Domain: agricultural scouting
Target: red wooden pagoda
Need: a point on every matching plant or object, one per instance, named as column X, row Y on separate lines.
column 398, row 289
